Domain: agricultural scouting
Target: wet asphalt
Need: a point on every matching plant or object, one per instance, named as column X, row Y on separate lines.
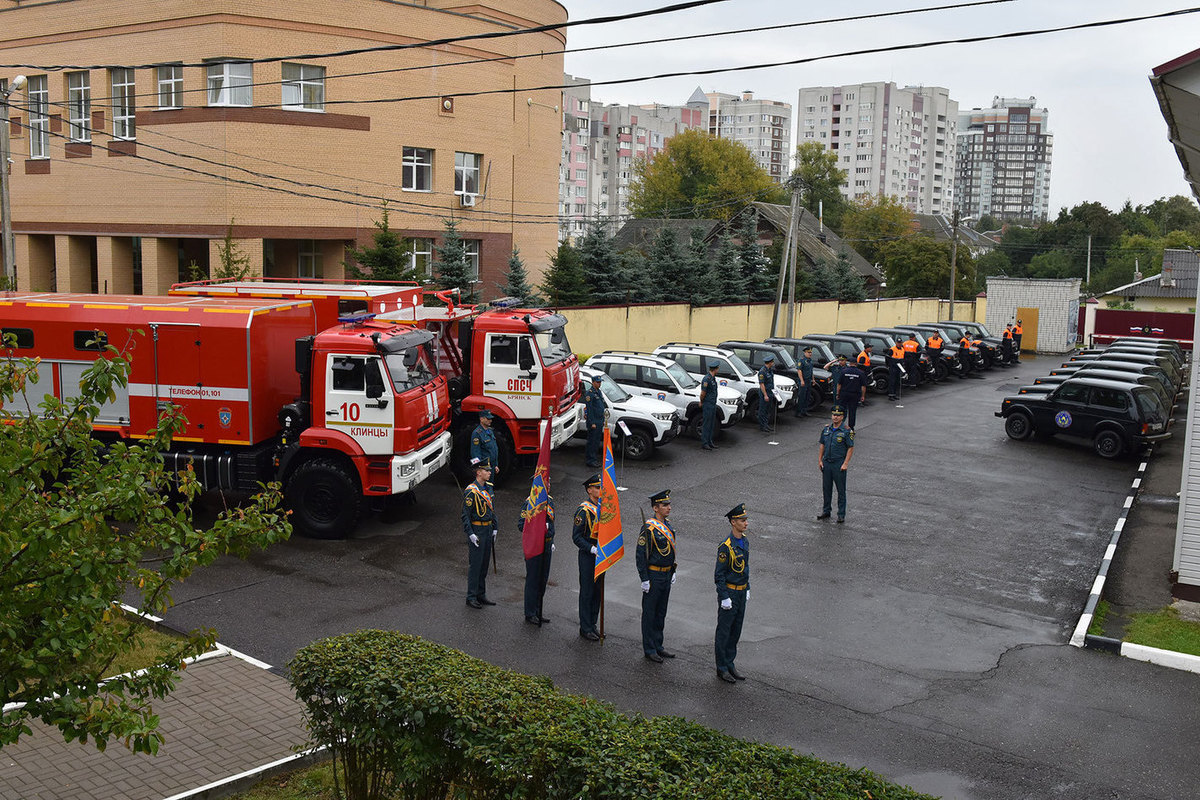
column 925, row 639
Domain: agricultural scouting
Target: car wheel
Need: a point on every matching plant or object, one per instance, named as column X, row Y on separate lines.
column 1108, row 444
column 324, row 498
column 879, row 382
column 639, row 445
column 1018, row 426
column 815, row 398
column 694, row 422
column 941, row 371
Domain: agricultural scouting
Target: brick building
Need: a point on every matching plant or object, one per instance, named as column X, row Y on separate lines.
column 176, row 118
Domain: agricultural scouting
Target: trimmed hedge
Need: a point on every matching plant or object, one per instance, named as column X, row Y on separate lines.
column 411, row 718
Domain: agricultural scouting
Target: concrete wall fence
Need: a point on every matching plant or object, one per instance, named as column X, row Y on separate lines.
column 646, row 326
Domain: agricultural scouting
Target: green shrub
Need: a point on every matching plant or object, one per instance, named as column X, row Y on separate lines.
column 410, row 718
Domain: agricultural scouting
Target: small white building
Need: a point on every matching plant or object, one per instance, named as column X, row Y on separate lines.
column 1048, row 310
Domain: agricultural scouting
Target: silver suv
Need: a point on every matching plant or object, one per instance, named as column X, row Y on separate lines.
column 638, row 424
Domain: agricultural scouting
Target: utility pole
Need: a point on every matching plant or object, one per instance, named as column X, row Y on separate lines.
column 1089, row 263
column 784, row 273
column 953, row 262
column 7, row 241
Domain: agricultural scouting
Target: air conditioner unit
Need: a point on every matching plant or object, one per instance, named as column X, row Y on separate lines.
column 468, row 200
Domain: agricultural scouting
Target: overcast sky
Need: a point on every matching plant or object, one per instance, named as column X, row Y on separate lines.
column 1110, row 140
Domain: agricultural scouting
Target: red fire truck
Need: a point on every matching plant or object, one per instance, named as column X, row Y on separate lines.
column 515, row 362
column 338, row 415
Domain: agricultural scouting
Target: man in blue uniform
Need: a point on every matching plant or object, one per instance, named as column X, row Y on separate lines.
column 537, row 569
column 480, row 526
column 804, row 368
column 594, row 420
column 656, row 568
column 854, row 391
column 732, row 577
column 766, row 394
column 483, row 443
column 708, row 406
column 583, row 533
column 833, row 459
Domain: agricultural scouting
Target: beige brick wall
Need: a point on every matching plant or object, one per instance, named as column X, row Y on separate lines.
column 332, row 175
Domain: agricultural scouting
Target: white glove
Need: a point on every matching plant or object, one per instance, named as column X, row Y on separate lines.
column 474, row 539
column 595, row 551
column 552, row 547
column 672, row 578
column 494, row 532
column 747, row 594
column 645, row 586
column 726, row 604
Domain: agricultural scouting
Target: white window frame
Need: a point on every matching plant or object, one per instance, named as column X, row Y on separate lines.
column 308, row 258
column 170, row 86
column 124, row 103
column 303, row 87
column 79, row 106
column 38, row 93
column 471, row 250
column 467, row 168
column 421, row 257
column 417, row 164
column 229, row 84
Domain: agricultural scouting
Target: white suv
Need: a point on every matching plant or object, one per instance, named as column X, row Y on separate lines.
column 651, row 423
column 732, row 372
column 648, row 375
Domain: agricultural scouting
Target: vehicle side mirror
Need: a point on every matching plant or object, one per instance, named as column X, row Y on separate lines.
column 526, row 361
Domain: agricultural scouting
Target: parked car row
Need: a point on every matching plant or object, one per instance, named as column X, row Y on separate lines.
column 1118, row 398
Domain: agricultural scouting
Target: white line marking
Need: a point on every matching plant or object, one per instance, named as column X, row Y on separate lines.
column 202, row 790
column 1120, row 524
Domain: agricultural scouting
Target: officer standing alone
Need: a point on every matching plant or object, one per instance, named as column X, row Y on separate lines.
column 656, row 568
column 833, row 459
column 732, row 577
column 594, row 420
column 766, row 394
column 483, row 443
column 804, row 368
column 708, row 407
column 480, row 526
column 584, row 535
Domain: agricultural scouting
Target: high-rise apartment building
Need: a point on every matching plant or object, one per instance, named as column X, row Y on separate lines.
column 1004, row 155
column 890, row 141
column 599, row 147
column 763, row 126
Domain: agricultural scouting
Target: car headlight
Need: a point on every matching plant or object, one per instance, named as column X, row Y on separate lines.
column 407, row 469
column 665, row 417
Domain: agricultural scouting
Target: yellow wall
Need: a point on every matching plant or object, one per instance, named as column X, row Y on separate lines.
column 1175, row 304
column 645, row 327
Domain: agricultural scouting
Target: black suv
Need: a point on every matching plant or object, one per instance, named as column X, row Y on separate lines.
column 1117, row 418
column 755, row 354
column 989, row 348
column 850, row 347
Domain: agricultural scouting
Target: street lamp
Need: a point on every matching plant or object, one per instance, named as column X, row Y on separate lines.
column 7, row 242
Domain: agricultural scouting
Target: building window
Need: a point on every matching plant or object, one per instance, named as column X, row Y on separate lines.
column 581, row 174
column 39, row 118
column 170, row 86
column 471, row 249
column 229, row 83
column 466, row 172
column 418, row 170
column 421, row 259
column 308, row 258
column 303, row 87
column 123, row 103
column 79, row 106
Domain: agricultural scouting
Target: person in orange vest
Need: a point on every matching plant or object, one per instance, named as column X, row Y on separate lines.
column 1017, row 331
column 895, row 358
column 933, row 348
column 964, row 356
column 912, row 358
column 864, row 364
column 1006, row 345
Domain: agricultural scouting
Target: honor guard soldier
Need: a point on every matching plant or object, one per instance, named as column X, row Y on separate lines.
column 537, row 569
column 584, row 535
column 594, row 420
column 480, row 526
column 732, row 577
column 766, row 394
column 708, row 406
column 483, row 442
column 804, row 368
column 833, row 459
column 656, row 568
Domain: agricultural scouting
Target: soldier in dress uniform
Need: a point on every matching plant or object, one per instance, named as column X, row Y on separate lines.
column 656, row 568
column 766, row 393
column 732, row 577
column 594, row 409
column 584, row 535
column 537, row 569
column 483, row 443
column 480, row 526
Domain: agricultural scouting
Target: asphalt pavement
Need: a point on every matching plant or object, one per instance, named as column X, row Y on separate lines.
column 925, row 639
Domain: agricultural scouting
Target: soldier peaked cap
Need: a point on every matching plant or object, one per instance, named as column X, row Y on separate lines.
column 867, row 345
column 481, row 463
column 485, row 414
column 596, row 378
column 836, row 410
column 662, row 497
column 714, row 364
column 768, row 359
column 737, row 512
column 592, row 481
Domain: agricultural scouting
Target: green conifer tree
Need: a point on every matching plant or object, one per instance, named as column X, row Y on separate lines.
column 731, row 284
column 451, row 265
column 563, row 283
column 389, row 258
column 516, row 282
column 759, row 274
column 599, row 261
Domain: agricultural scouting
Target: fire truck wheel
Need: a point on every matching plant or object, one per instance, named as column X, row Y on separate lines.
column 325, row 499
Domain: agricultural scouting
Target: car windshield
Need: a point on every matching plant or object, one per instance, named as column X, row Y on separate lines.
column 553, row 345
column 981, row 329
column 681, row 376
column 954, row 331
column 1151, row 406
column 610, row 389
column 740, row 366
column 786, row 358
column 412, row 368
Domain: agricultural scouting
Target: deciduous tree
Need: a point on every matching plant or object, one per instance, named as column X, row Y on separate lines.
column 874, row 221
column 820, row 181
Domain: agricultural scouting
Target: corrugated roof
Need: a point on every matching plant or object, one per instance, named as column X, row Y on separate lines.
column 816, row 241
column 942, row 229
column 638, row 234
column 1180, row 269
